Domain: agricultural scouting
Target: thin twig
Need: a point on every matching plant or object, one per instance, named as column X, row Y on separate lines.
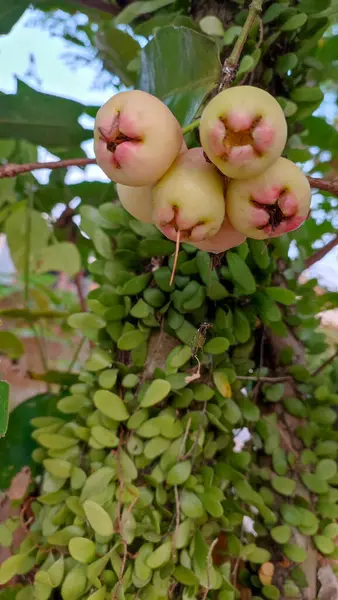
column 229, row 68
column 78, row 280
column 209, row 566
column 28, row 228
column 12, row 169
column 325, row 364
column 325, row 185
column 184, row 440
column 319, row 254
column 178, row 514
column 76, row 354
column 265, row 379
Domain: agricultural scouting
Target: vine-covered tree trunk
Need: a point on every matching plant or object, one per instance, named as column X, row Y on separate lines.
column 196, row 456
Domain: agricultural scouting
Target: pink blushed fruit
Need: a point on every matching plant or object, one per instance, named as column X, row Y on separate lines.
column 136, row 138
column 270, row 204
column 189, row 199
column 137, row 201
column 227, row 237
column 243, row 131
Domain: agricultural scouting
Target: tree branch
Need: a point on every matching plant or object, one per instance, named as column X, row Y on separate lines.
column 325, row 364
column 326, row 185
column 265, row 379
column 319, row 254
column 230, row 64
column 12, row 169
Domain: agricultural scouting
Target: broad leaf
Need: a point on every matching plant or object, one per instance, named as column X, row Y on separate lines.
column 60, row 257
column 4, row 398
column 138, row 8
column 117, row 49
column 10, row 13
column 16, row 448
column 42, row 119
column 16, row 231
column 180, row 66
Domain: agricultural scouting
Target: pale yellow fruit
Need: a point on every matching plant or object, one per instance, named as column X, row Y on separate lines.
column 271, row 204
column 189, row 198
column 136, row 138
column 227, row 237
column 137, row 201
column 243, row 131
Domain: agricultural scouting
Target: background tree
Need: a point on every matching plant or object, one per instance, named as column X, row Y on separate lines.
column 149, row 497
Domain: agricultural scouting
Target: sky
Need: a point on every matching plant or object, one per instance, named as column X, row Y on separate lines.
column 52, row 75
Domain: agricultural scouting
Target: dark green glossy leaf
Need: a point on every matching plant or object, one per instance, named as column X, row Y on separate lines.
column 17, row 447
column 117, row 49
column 180, row 67
column 40, row 118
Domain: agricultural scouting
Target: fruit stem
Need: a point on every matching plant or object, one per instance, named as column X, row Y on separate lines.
column 254, row 8
column 191, row 126
column 177, row 249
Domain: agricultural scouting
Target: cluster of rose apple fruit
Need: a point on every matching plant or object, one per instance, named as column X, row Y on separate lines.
column 139, row 144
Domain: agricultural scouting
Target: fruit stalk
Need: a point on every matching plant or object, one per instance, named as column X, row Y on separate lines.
column 254, row 9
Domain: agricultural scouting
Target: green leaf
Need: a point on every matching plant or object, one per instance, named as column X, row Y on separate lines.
column 60, row 257
column 87, row 323
column 179, row 473
column 324, row 544
column 267, row 308
column 294, row 553
column 315, row 484
column 326, row 469
column 4, row 399
column 15, row 230
column 131, row 339
column 211, row 25
column 274, row 11
column 138, row 8
column 10, row 14
column 283, row 485
column 117, row 49
column 110, row 405
column 136, row 284
column 271, row 592
column 295, row 22
column 217, row 345
column 331, row 530
column 185, row 576
column 160, row 556
column 286, row 63
column 281, row 534
column 241, row 324
column 82, row 549
column 259, row 252
column 156, row 392
column 241, row 273
column 307, row 94
column 156, row 247
column 41, row 119
column 14, row 456
column 102, row 243
column 11, row 345
column 180, row 67
column 281, row 295
column 291, row 515
column 10, row 567
column 191, row 505
column 259, row 556
column 98, row 518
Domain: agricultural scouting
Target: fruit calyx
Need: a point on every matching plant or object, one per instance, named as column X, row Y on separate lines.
column 172, row 225
column 239, row 138
column 279, row 215
column 114, row 137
